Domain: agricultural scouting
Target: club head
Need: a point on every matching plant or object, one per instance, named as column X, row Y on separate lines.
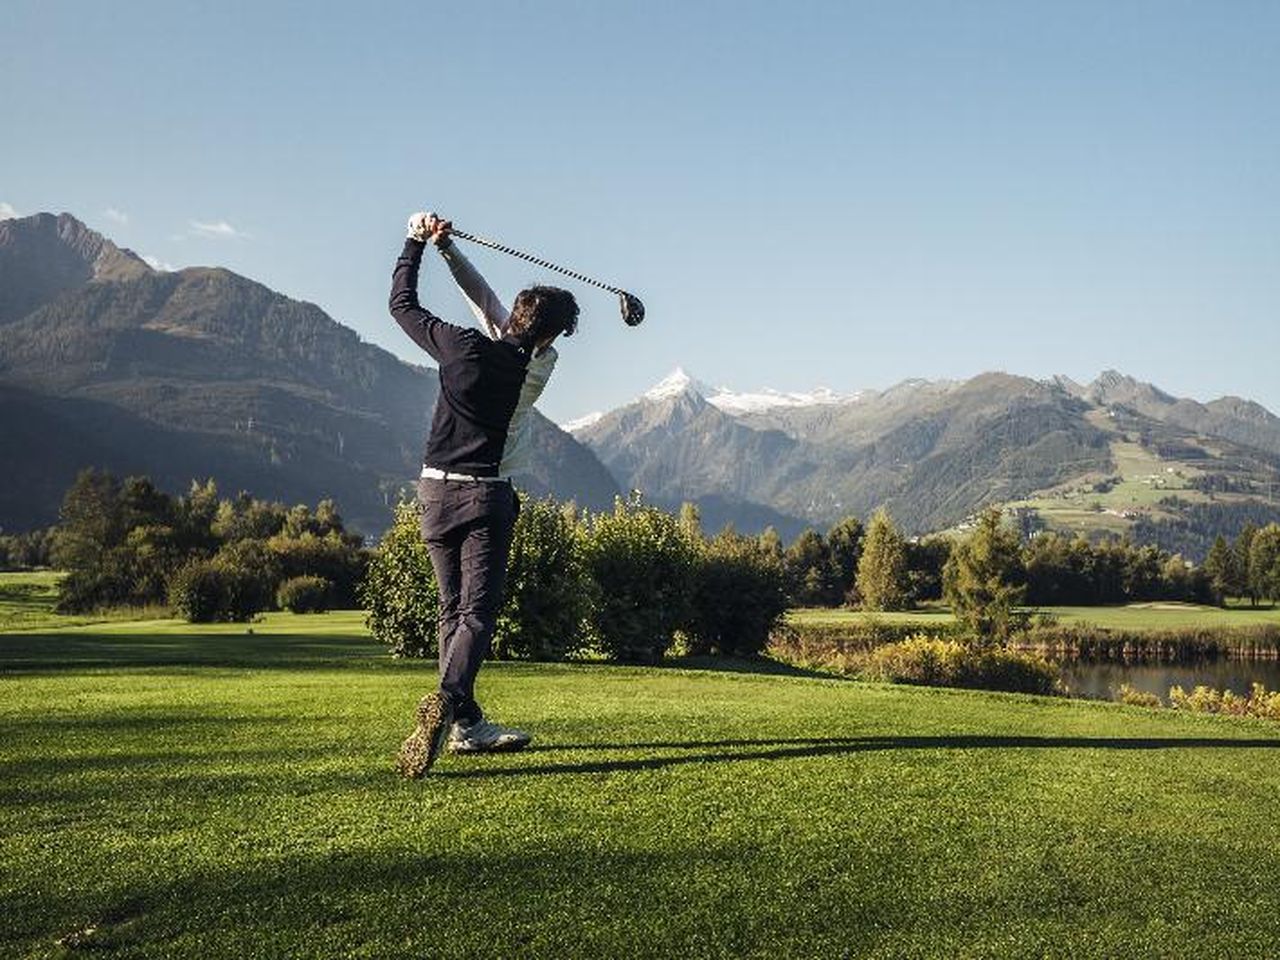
column 632, row 309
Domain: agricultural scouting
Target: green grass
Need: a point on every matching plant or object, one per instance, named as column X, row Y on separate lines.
column 27, row 599
column 190, row 793
column 1133, row 616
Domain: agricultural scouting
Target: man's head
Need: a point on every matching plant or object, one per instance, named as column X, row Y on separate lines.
column 540, row 314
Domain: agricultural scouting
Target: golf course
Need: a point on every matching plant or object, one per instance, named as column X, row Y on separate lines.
column 171, row 790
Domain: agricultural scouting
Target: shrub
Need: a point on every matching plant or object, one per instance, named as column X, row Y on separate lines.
column 204, row 591
column 334, row 556
column 399, row 589
column 641, row 564
column 738, row 597
column 950, row 663
column 548, row 592
column 844, row 647
column 1137, row 698
column 254, row 572
column 304, row 594
column 1259, row 703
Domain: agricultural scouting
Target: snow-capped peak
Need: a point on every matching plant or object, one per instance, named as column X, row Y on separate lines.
column 582, row 422
column 680, row 383
column 769, row 399
column 673, row 385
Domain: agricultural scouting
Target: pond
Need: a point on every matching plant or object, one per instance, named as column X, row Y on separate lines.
column 1099, row 681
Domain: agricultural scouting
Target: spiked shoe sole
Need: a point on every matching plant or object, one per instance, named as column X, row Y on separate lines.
column 421, row 747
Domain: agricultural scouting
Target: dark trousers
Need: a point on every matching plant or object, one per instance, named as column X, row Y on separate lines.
column 467, row 526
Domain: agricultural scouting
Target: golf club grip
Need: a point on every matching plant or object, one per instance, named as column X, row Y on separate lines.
column 503, row 248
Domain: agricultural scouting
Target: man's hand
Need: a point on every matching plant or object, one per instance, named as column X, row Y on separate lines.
column 429, row 227
column 439, row 230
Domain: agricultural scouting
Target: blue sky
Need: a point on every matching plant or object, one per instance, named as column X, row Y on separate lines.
column 841, row 194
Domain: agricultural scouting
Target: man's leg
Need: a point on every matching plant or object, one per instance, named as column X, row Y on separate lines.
column 444, row 538
column 483, row 563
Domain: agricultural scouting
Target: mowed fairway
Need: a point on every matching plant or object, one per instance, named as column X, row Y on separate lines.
column 1156, row 615
column 182, row 793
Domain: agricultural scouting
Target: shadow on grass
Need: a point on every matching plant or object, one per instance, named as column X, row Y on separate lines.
column 27, row 654
column 722, row 751
column 390, row 902
column 764, row 666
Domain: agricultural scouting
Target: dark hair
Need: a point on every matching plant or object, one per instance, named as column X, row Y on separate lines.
column 542, row 312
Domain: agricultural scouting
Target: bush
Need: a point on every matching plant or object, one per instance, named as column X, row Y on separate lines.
column 304, row 595
column 399, row 590
column 641, row 563
column 1259, row 703
column 949, row 663
column 738, row 597
column 548, row 592
column 336, row 557
column 253, row 574
column 844, row 647
column 204, row 591
column 1134, row 697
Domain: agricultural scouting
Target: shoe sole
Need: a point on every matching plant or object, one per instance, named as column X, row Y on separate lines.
column 421, row 748
column 511, row 747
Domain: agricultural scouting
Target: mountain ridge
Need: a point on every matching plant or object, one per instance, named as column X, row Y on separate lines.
column 934, row 452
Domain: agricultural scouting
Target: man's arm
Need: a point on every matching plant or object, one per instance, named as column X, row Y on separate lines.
column 423, row 327
column 488, row 309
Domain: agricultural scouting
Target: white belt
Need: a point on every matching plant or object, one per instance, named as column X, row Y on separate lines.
column 435, row 473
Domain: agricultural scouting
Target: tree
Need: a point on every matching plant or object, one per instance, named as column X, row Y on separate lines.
column 882, row 568
column 548, row 595
column 400, row 591
column 926, row 559
column 641, row 563
column 844, row 543
column 985, row 580
column 1244, row 559
column 810, row 574
column 1264, row 563
column 738, row 596
column 1220, row 568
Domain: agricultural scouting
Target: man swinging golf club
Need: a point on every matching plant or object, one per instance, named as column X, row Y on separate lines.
column 488, row 383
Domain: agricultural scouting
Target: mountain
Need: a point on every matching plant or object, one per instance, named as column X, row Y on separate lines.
column 1115, row 456
column 1235, row 419
column 44, row 256
column 202, row 372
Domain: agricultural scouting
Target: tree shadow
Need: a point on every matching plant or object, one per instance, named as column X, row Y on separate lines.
column 39, row 654
column 764, row 666
column 723, row 751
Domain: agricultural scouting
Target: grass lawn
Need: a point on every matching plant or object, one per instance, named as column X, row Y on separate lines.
column 1133, row 616
column 176, row 792
column 27, row 599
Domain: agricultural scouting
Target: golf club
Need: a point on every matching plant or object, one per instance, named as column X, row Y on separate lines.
column 632, row 308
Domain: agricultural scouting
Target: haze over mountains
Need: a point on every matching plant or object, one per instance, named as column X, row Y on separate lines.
column 202, row 372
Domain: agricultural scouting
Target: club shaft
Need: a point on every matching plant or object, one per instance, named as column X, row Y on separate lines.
column 503, row 248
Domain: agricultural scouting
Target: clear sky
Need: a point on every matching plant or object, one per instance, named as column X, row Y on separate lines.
column 843, row 194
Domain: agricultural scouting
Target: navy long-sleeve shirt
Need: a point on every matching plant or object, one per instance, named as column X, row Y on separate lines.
column 480, row 378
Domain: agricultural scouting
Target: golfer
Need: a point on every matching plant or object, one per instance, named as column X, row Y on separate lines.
column 488, row 384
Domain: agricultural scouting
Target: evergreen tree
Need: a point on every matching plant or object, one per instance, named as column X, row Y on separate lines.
column 985, row 580
column 844, row 542
column 1244, row 560
column 1219, row 567
column 1264, row 563
column 882, row 568
column 810, row 575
